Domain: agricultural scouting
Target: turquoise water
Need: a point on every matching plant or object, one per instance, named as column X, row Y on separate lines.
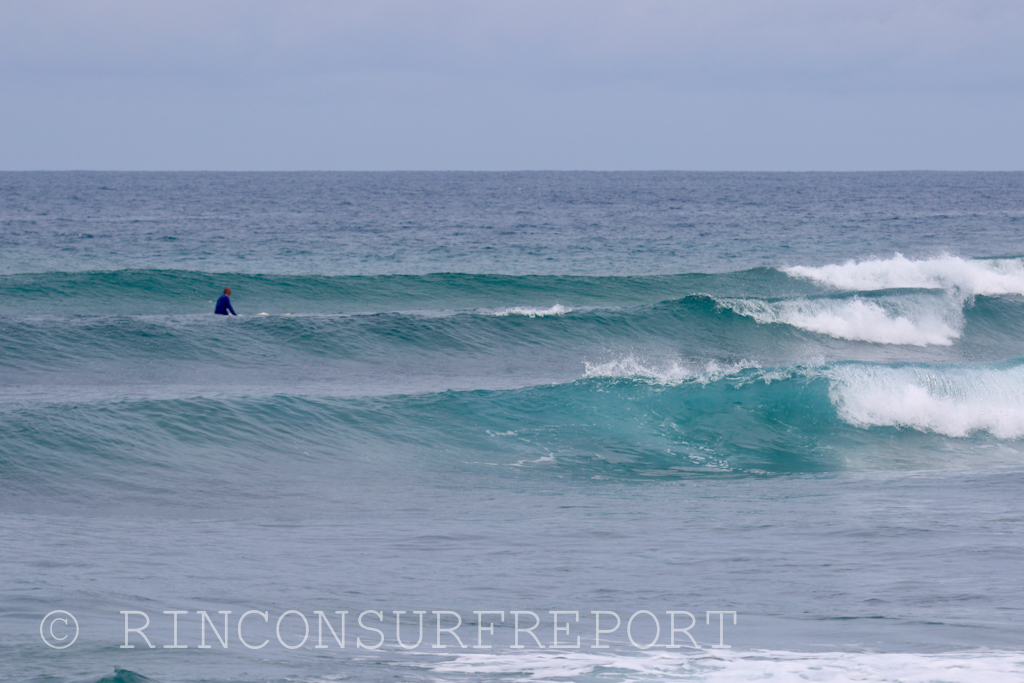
column 797, row 397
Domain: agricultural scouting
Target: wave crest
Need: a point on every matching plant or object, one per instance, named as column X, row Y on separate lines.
column 905, row 320
column 953, row 401
column 971, row 276
column 534, row 312
column 667, row 372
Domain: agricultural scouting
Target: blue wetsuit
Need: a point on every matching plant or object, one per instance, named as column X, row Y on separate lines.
column 224, row 305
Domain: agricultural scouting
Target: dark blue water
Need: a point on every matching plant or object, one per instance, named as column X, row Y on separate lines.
column 796, row 397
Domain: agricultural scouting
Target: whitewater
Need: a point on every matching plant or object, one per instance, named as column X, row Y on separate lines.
column 531, row 393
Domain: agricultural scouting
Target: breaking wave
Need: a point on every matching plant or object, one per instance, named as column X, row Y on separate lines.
column 971, row 276
column 719, row 666
column 908, row 319
column 533, row 311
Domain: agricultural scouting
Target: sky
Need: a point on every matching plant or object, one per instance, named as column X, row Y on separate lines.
column 714, row 85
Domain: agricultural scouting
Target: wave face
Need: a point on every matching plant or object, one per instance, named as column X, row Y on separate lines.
column 625, row 420
column 138, row 292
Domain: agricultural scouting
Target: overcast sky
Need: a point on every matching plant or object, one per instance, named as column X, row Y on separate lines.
column 495, row 85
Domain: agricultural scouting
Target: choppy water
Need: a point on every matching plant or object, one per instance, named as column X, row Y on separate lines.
column 799, row 397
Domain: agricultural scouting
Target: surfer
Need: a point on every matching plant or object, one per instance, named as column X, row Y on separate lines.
column 224, row 303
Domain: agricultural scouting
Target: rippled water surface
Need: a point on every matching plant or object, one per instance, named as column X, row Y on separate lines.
column 798, row 398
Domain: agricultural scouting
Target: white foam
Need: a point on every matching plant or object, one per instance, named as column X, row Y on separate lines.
column 917, row 321
column 720, row 666
column 557, row 309
column 971, row 276
column 664, row 371
column 953, row 401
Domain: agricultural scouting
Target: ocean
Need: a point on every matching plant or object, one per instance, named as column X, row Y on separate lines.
column 526, row 426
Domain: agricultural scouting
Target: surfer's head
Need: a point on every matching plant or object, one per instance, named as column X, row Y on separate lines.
column 227, row 291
